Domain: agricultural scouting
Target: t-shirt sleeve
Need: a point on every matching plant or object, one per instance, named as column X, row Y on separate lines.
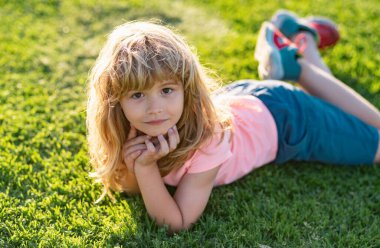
column 211, row 155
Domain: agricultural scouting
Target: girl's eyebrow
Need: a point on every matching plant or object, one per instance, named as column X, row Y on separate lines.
column 169, row 82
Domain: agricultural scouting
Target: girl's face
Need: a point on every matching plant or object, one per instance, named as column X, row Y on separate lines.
column 154, row 111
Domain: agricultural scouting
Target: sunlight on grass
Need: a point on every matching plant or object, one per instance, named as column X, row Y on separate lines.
column 197, row 23
column 46, row 196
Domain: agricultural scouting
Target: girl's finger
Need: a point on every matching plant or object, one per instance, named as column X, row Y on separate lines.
column 131, row 158
column 133, row 149
column 135, row 141
column 150, row 146
column 130, row 155
column 132, row 132
column 164, row 147
column 172, row 139
column 176, row 133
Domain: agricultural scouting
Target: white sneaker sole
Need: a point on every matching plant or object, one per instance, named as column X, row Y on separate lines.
column 269, row 58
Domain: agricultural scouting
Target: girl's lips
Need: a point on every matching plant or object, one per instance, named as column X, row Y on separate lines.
column 155, row 122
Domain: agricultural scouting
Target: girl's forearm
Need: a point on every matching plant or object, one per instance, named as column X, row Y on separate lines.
column 159, row 203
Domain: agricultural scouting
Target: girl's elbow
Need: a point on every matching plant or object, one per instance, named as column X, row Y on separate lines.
column 176, row 227
column 179, row 228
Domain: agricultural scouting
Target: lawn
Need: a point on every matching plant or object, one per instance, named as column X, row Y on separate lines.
column 46, row 196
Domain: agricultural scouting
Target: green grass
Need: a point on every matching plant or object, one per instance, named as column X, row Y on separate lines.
column 46, row 196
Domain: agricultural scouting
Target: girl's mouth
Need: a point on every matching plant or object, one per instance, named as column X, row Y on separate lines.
column 155, row 122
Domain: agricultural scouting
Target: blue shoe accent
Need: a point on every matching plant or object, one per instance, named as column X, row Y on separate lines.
column 289, row 24
column 277, row 55
column 292, row 69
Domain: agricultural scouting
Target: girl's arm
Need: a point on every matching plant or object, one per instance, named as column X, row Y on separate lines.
column 189, row 201
column 193, row 191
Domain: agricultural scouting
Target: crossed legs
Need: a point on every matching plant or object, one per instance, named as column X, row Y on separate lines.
column 317, row 79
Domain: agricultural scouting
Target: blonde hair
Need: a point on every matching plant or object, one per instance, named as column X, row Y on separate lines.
column 135, row 56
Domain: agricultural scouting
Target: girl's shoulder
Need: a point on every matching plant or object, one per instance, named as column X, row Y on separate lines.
column 212, row 153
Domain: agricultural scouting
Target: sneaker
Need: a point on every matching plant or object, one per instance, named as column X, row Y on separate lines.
column 276, row 54
column 325, row 31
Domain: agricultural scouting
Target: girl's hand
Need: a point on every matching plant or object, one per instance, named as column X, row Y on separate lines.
column 155, row 152
column 133, row 147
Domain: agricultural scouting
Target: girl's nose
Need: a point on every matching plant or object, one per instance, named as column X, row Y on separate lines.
column 155, row 106
column 154, row 111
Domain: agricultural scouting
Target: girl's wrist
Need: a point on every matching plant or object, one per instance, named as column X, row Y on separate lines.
column 144, row 168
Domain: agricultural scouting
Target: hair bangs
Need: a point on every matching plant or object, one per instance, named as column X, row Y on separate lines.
column 141, row 66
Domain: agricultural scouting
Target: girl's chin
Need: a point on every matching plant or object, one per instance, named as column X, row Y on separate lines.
column 152, row 133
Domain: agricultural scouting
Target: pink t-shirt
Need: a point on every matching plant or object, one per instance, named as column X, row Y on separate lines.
column 253, row 144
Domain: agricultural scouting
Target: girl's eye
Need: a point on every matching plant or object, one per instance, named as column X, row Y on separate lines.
column 137, row 95
column 167, row 90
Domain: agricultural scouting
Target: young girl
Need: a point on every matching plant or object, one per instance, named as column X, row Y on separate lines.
column 152, row 120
